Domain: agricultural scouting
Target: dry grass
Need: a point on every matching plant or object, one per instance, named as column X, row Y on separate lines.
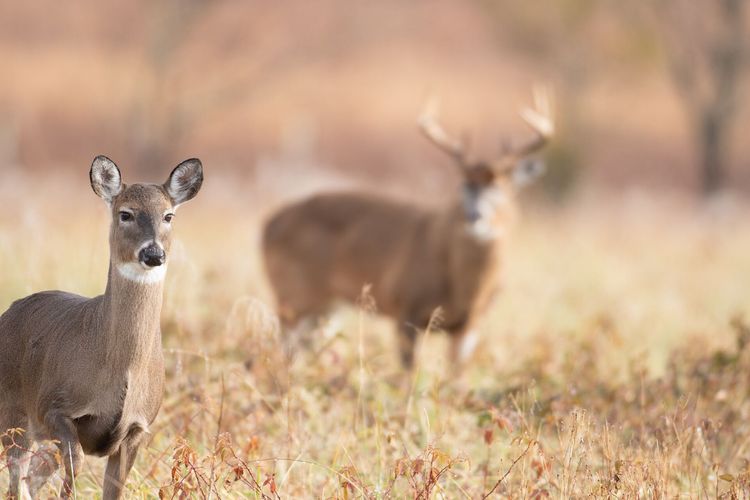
column 615, row 364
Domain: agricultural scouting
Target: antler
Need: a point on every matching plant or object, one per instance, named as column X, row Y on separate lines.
column 540, row 120
column 433, row 131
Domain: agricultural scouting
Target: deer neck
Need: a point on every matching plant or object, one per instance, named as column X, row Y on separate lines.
column 482, row 238
column 474, row 258
column 131, row 314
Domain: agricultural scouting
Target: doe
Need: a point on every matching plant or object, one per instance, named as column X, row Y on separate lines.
column 89, row 373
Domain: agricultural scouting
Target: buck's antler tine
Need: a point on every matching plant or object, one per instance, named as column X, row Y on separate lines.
column 435, row 133
column 540, row 120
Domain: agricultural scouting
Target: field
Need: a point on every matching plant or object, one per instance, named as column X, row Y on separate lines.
column 614, row 364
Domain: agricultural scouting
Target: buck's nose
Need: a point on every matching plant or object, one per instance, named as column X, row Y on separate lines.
column 152, row 256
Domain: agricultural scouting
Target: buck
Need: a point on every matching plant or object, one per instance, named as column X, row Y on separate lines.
column 88, row 373
column 326, row 248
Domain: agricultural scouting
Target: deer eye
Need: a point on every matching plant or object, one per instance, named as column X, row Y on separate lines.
column 168, row 218
column 125, row 216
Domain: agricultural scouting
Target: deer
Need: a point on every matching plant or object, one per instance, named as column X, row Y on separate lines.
column 88, row 373
column 413, row 260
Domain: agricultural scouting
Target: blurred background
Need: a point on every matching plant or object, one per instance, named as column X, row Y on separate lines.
column 280, row 99
column 650, row 94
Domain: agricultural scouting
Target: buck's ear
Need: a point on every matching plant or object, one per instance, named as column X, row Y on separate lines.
column 527, row 171
column 105, row 177
column 185, row 181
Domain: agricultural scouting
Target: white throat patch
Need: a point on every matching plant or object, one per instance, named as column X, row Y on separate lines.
column 136, row 272
column 483, row 230
column 482, row 206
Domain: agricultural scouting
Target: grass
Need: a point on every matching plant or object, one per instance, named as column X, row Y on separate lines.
column 614, row 363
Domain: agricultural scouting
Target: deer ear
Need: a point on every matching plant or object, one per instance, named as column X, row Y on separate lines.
column 527, row 171
column 105, row 177
column 185, row 181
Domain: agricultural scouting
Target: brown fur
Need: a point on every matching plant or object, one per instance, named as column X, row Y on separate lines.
column 89, row 373
column 328, row 247
column 332, row 245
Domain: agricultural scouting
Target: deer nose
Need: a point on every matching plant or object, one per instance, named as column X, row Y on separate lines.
column 152, row 256
column 472, row 215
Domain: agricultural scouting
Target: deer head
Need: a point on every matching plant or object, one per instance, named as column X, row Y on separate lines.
column 491, row 184
column 141, row 230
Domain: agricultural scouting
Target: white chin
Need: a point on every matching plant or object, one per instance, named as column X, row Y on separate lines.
column 482, row 230
column 139, row 273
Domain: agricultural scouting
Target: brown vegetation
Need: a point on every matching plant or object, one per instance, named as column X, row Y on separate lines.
column 615, row 362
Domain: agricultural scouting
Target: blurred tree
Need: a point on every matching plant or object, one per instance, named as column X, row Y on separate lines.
column 157, row 120
column 705, row 43
column 201, row 60
column 558, row 35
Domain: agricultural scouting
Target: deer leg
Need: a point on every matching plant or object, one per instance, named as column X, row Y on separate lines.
column 44, row 463
column 62, row 430
column 407, row 341
column 462, row 347
column 120, row 463
column 16, row 445
column 293, row 333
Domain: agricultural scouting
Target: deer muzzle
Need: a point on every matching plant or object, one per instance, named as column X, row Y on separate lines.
column 152, row 256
